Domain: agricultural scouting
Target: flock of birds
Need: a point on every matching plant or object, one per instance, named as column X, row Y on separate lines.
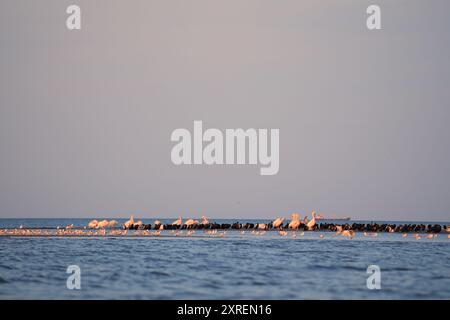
column 190, row 226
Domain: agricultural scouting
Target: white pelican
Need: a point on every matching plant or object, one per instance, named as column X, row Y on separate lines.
column 295, row 222
column 191, row 222
column 139, row 224
column 278, row 222
column 112, row 224
column 129, row 223
column 348, row 233
column 177, row 222
column 262, row 226
column 103, row 224
column 310, row 225
column 345, row 233
column 204, row 220
column 93, row 224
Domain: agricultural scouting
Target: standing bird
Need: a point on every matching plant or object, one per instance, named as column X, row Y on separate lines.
column 348, row 234
column 311, row 224
column 112, row 224
column 139, row 225
column 177, row 222
column 278, row 222
column 129, row 224
column 204, row 220
column 295, row 222
column 190, row 222
column 103, row 224
column 93, row 224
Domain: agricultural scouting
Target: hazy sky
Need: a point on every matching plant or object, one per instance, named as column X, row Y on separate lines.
column 86, row 116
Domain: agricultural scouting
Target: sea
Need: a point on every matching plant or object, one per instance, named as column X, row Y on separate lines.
column 316, row 265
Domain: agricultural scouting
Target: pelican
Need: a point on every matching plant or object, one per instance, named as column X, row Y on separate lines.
column 93, row 224
column 112, row 224
column 278, row 222
column 190, row 222
column 103, row 224
column 262, row 226
column 129, row 223
column 310, row 225
column 295, row 222
column 161, row 227
column 204, row 220
column 282, row 233
column 405, row 235
column 348, row 234
column 139, row 224
column 345, row 233
column 177, row 222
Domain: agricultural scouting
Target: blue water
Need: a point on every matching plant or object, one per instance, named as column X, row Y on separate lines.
column 234, row 267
